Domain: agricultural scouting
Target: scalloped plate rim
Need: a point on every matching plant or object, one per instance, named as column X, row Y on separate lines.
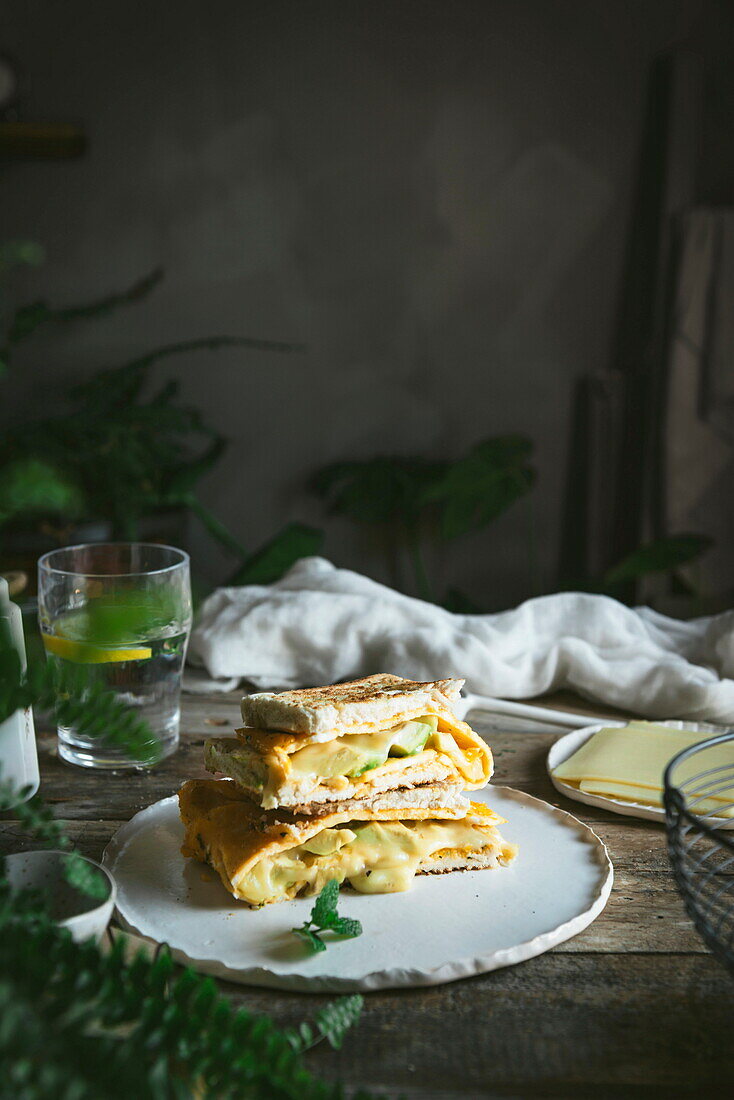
column 394, row 978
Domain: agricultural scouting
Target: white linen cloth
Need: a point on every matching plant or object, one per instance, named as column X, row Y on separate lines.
column 320, row 624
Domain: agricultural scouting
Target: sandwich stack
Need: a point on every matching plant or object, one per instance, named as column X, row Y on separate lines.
column 361, row 782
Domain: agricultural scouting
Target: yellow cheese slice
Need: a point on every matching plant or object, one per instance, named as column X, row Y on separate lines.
column 624, row 791
column 646, row 797
column 629, row 762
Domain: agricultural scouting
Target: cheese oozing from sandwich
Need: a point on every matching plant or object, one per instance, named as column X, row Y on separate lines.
column 263, row 857
column 279, row 769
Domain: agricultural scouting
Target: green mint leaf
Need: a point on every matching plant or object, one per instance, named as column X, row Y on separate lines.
column 324, row 910
column 324, row 917
column 311, row 938
column 346, row 926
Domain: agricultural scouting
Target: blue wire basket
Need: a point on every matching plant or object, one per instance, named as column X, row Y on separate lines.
column 701, row 841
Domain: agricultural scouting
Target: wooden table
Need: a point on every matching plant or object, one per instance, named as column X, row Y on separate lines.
column 634, row 1006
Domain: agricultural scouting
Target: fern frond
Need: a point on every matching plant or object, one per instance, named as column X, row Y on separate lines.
column 331, row 1023
column 68, row 695
column 89, row 1025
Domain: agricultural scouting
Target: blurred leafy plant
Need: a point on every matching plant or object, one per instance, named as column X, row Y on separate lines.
column 18, row 254
column 119, row 451
column 14, row 254
column 422, row 499
column 270, row 562
column 662, row 556
column 73, row 701
column 79, row 1022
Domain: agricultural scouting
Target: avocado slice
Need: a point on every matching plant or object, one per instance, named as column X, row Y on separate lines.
column 369, row 755
column 412, row 737
column 328, row 841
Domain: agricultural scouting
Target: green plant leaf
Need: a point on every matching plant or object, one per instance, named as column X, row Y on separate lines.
column 337, row 1017
column 302, row 1037
column 32, row 486
column 82, row 1023
column 183, row 479
column 311, row 938
column 325, row 918
column 19, row 253
column 30, row 317
column 209, row 343
column 657, row 557
column 115, row 388
column 377, row 490
column 461, row 604
column 331, row 1023
column 124, row 616
column 133, row 454
column 74, row 702
column 345, row 926
column 271, row 561
column 86, row 878
column 324, row 909
column 478, row 488
column 504, row 450
column 215, row 527
column 33, row 815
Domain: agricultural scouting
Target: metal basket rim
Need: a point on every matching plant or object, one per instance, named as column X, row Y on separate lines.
column 671, row 790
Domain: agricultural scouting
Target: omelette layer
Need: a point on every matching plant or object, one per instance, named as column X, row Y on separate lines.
column 263, row 857
column 301, row 771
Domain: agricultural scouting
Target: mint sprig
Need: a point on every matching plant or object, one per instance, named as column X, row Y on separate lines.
column 324, row 918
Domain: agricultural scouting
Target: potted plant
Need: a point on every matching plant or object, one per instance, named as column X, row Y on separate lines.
column 424, row 503
column 119, row 461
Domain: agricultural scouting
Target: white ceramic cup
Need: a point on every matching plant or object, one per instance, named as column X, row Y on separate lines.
column 85, row 917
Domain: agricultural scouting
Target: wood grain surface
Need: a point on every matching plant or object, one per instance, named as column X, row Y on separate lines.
column 634, row 1006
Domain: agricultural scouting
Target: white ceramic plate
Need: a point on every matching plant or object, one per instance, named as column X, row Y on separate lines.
column 567, row 745
column 447, row 927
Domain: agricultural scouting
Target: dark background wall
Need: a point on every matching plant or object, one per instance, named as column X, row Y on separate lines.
column 434, row 197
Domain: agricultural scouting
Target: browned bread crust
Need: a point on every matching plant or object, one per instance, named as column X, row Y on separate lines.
column 370, row 702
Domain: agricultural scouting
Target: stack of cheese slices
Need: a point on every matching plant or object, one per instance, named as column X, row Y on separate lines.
column 360, row 782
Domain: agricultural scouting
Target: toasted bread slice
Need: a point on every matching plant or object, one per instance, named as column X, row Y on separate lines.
column 370, row 703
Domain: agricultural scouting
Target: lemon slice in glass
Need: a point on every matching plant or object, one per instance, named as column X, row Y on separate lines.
column 85, row 654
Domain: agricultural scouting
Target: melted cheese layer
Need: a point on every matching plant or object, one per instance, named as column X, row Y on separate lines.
column 454, row 747
column 375, row 858
column 345, row 755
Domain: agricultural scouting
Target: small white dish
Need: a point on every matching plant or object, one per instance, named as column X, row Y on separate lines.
column 446, row 927
column 85, row 917
column 566, row 746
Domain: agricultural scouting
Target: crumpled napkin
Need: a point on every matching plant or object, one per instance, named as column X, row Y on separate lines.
column 320, row 624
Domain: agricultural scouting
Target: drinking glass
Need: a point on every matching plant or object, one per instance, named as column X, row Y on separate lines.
column 118, row 615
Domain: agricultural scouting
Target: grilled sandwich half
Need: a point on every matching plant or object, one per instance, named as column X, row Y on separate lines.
column 264, row 856
column 316, row 750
